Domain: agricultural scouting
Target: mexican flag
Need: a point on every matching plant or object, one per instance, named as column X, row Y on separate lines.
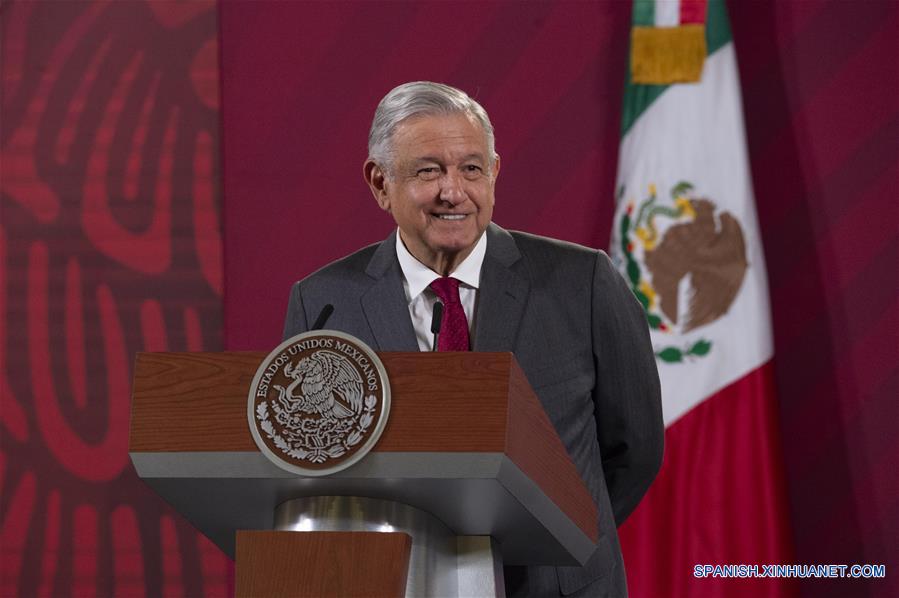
column 686, row 238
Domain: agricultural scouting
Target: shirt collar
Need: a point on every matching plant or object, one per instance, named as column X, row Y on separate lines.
column 418, row 276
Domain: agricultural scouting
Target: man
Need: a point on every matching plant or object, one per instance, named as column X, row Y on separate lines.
column 574, row 326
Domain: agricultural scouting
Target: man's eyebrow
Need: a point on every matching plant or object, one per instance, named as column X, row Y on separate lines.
column 434, row 160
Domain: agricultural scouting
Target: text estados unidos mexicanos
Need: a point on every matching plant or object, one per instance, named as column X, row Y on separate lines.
column 316, row 343
column 803, row 571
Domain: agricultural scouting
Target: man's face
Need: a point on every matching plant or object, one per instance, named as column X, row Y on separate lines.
column 440, row 190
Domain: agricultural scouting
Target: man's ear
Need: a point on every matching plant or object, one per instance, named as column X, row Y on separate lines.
column 376, row 179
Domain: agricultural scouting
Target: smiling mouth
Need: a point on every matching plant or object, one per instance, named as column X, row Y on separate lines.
column 450, row 216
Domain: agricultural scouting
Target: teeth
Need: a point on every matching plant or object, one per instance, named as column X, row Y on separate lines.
column 451, row 216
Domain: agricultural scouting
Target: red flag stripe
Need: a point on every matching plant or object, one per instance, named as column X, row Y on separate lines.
column 692, row 11
column 719, row 499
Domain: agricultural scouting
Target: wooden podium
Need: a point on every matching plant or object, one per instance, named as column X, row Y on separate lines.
column 468, row 475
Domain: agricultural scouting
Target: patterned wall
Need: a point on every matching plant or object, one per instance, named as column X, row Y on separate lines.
column 109, row 244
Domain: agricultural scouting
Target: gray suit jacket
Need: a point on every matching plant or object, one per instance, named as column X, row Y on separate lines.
column 580, row 336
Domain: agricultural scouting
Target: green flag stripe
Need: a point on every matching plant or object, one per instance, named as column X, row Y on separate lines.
column 717, row 26
column 637, row 98
column 644, row 12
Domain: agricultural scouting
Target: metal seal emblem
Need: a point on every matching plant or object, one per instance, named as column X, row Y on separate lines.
column 318, row 403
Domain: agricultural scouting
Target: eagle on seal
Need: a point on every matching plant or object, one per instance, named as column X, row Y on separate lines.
column 329, row 386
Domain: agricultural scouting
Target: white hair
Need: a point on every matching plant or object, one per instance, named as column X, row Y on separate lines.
column 419, row 98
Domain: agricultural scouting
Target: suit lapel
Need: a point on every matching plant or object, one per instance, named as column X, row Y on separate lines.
column 384, row 304
column 502, row 294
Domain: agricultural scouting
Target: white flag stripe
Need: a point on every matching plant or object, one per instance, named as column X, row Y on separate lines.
column 695, row 133
column 667, row 13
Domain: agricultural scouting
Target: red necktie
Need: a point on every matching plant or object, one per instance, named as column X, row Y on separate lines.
column 454, row 326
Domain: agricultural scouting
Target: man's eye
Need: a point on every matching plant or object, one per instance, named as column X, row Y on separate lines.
column 472, row 170
column 428, row 174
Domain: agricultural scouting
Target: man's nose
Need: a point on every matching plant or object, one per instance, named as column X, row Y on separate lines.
column 451, row 190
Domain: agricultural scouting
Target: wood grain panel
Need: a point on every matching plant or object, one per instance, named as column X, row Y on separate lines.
column 321, row 564
column 441, row 402
column 447, row 402
column 192, row 401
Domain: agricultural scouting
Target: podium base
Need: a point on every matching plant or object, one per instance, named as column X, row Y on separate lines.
column 321, row 565
column 440, row 563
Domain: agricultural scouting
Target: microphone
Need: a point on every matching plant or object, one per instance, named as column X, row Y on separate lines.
column 323, row 316
column 436, row 320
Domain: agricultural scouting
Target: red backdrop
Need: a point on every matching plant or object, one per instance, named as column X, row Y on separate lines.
column 821, row 98
column 109, row 232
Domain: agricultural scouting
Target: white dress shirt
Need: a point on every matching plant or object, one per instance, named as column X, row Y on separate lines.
column 416, row 280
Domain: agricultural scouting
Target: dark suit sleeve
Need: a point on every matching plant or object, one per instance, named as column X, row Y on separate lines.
column 627, row 396
column 295, row 321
